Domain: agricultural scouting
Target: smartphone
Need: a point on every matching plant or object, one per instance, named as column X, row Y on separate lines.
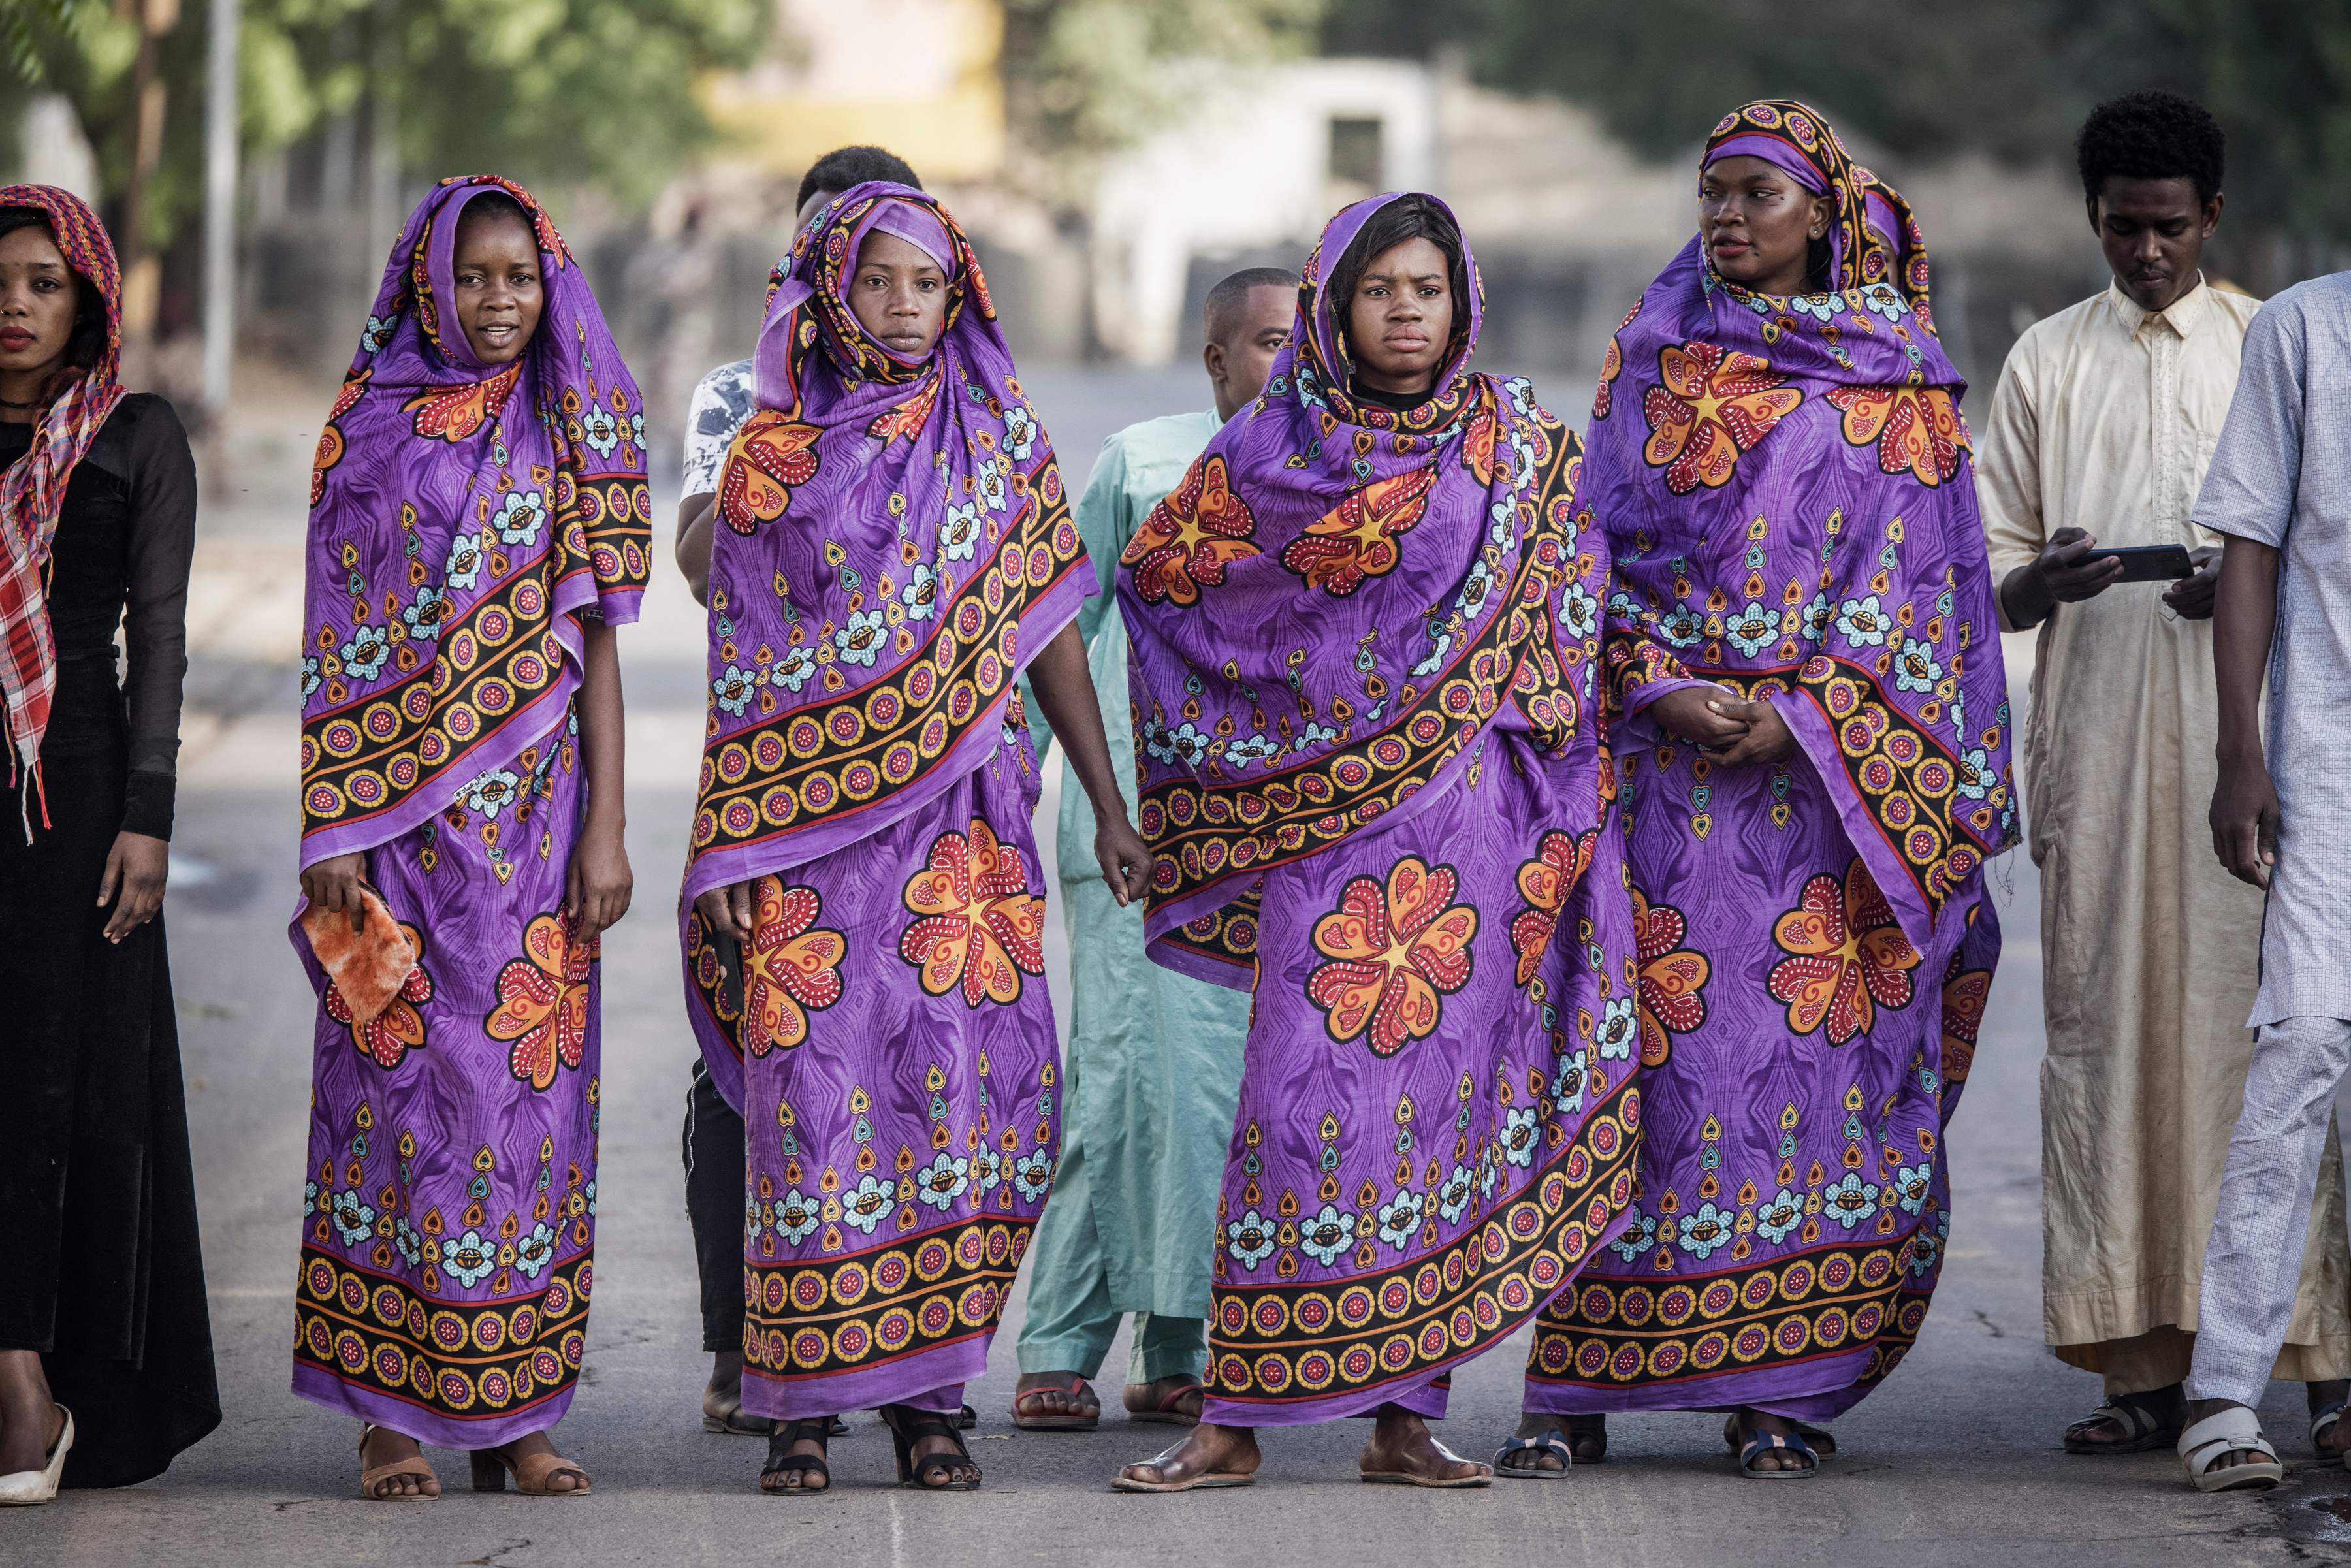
column 2148, row 563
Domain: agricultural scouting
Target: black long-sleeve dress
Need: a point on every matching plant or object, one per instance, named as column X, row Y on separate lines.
column 100, row 1270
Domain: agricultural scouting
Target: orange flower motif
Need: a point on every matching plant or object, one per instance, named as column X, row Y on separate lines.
column 1477, row 443
column 1544, row 882
column 770, row 457
column 1394, row 954
column 330, row 435
column 977, row 925
column 1191, row 537
column 1357, row 538
column 393, row 1033
column 1964, row 994
column 1709, row 407
column 543, row 1001
column 1846, row 956
column 1917, row 428
column 907, row 418
column 791, row 968
column 1671, row 977
column 454, row 414
column 1612, row 365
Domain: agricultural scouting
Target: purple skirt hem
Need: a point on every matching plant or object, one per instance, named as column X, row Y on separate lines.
column 906, row 1382
column 426, row 1426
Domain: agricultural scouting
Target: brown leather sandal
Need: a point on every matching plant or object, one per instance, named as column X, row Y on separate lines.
column 531, row 1472
column 370, row 1478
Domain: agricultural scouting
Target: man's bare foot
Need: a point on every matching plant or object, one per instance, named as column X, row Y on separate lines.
column 381, row 1445
column 30, row 1423
column 1207, row 1450
column 1055, row 1401
column 1402, row 1448
column 1756, row 1424
column 1177, row 1398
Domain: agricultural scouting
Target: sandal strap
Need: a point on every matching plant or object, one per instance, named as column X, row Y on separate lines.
column 2321, row 1420
column 1551, row 1440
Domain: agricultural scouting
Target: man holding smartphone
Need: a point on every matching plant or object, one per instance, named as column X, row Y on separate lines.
column 2102, row 424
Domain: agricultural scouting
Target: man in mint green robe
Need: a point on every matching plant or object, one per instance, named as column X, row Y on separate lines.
column 1152, row 1066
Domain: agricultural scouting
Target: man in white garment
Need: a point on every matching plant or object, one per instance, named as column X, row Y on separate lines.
column 2280, row 488
column 2101, row 426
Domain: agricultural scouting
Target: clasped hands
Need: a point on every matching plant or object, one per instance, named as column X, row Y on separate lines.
column 1729, row 729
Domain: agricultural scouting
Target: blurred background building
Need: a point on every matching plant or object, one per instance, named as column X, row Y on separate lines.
column 1113, row 157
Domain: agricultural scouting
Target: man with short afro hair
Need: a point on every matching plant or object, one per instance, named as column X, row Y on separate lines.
column 2102, row 424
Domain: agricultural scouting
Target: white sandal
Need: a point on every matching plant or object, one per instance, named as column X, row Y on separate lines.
column 21, row 1488
column 2236, row 1430
column 2321, row 1424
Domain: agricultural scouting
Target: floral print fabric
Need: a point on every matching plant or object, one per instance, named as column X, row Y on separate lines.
column 1375, row 779
column 1785, row 486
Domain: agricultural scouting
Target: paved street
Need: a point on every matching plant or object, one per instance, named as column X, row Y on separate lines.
column 1955, row 1462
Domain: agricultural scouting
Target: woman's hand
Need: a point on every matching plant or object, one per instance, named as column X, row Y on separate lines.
column 331, row 884
column 1702, row 714
column 599, row 883
column 135, row 870
column 1126, row 859
column 727, row 910
column 1767, row 737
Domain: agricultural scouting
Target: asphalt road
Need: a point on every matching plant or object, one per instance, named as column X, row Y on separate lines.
column 1955, row 1462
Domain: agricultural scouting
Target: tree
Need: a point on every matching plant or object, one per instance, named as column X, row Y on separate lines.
column 552, row 91
column 2008, row 77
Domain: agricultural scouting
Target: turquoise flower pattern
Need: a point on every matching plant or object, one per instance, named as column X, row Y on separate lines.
column 1327, row 1235
column 1249, row 1238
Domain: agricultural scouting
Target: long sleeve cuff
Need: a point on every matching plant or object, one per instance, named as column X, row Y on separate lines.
column 147, row 805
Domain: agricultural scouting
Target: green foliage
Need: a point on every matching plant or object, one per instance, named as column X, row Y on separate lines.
column 1086, row 77
column 549, row 91
column 2008, row 77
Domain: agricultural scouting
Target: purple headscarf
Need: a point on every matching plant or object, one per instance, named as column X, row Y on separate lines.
column 1786, row 487
column 893, row 546
column 464, row 518
column 1300, row 669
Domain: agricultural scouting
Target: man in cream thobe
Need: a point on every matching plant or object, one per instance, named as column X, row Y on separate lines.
column 2101, row 426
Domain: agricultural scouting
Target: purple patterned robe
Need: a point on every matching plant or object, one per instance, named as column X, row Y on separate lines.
column 464, row 522
column 1786, row 487
column 893, row 546
column 1374, row 777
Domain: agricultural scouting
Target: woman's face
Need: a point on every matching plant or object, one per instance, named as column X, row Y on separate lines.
column 1401, row 318
column 38, row 298
column 899, row 294
column 1759, row 224
column 500, row 293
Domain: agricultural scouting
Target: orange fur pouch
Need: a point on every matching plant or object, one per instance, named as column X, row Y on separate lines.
column 369, row 966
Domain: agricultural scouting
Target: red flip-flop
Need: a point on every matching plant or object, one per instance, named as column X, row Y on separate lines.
column 1057, row 1423
column 1165, row 1412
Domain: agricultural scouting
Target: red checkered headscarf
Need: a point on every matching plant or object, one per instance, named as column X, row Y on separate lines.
column 33, row 488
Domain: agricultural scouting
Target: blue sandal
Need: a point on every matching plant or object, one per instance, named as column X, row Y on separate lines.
column 1552, row 1442
column 1762, row 1442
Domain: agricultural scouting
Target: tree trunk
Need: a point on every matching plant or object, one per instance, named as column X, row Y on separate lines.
column 142, row 268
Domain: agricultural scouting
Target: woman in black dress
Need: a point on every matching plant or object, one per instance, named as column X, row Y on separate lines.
column 102, row 1291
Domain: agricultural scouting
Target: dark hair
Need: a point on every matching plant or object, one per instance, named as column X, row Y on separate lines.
column 1413, row 216
column 846, row 166
column 2151, row 136
column 1232, row 291
column 496, row 203
column 86, row 341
